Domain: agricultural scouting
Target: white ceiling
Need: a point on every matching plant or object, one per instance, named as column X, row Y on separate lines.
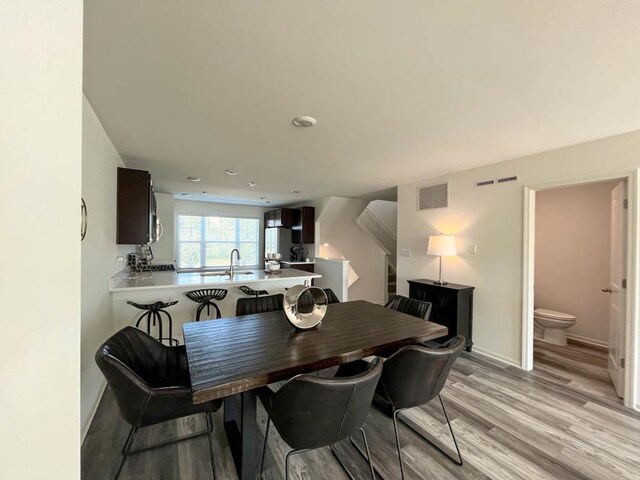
column 401, row 89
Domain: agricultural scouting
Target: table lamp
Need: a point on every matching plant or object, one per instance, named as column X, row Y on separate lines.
column 441, row 246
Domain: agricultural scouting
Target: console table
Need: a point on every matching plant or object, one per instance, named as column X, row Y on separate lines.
column 452, row 306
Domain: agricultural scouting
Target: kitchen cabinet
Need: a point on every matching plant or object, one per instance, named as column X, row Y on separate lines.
column 304, row 225
column 136, row 220
column 451, row 306
column 282, row 217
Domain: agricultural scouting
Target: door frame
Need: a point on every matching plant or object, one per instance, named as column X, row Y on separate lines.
column 632, row 319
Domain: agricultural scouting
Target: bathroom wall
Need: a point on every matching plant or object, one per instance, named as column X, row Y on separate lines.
column 572, row 256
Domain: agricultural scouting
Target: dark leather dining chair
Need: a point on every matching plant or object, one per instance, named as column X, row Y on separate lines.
column 249, row 306
column 411, row 377
column 331, row 296
column 311, row 412
column 410, row 306
column 151, row 384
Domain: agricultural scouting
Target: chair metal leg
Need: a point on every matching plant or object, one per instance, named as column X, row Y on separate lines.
column 210, row 437
column 218, row 313
column 458, row 461
column 264, row 447
column 366, row 447
column 395, row 428
column 199, row 311
column 125, row 450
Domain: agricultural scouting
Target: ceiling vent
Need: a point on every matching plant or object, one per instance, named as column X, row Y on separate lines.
column 433, row 196
column 512, row 178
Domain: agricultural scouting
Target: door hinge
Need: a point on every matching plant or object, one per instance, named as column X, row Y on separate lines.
column 625, row 203
column 624, row 283
column 622, row 362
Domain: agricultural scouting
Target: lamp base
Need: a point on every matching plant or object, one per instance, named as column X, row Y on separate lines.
column 440, row 282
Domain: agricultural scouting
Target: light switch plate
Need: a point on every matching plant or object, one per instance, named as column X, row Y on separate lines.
column 405, row 252
column 473, row 249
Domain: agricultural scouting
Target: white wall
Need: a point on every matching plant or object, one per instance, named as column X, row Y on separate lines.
column 387, row 213
column 100, row 162
column 492, row 218
column 572, row 256
column 336, row 226
column 40, row 185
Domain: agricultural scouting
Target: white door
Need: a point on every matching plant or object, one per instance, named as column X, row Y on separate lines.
column 616, row 289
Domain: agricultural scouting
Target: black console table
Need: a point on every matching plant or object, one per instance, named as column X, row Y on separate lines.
column 452, row 306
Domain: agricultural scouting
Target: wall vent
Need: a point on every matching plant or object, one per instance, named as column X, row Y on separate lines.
column 484, row 183
column 512, row 178
column 433, row 196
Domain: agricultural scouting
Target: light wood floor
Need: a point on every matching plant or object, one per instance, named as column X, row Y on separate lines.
column 561, row 421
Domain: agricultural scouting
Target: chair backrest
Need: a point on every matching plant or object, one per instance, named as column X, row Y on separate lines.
column 134, row 364
column 416, row 374
column 268, row 303
column 410, row 306
column 331, row 297
column 311, row 412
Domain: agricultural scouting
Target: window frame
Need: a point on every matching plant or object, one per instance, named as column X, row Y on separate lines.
column 203, row 242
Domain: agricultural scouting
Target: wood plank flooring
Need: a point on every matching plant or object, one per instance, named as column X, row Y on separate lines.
column 560, row 421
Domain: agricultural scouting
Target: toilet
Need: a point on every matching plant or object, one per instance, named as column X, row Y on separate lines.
column 551, row 326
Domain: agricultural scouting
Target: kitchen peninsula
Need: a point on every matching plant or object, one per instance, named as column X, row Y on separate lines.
column 170, row 286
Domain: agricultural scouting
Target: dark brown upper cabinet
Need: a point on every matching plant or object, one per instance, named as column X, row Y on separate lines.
column 283, row 217
column 304, row 225
column 136, row 208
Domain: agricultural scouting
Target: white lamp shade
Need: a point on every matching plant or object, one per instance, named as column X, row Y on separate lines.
column 442, row 246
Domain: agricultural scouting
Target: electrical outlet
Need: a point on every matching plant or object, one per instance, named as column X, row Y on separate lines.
column 473, row 249
column 405, row 252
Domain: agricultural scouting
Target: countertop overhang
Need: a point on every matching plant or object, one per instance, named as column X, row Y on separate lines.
column 163, row 280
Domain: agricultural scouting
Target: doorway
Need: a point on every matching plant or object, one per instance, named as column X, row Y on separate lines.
column 579, row 260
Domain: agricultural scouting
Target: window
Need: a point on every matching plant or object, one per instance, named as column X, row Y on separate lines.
column 208, row 241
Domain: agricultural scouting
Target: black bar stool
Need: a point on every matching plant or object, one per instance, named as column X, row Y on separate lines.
column 205, row 297
column 250, row 291
column 152, row 312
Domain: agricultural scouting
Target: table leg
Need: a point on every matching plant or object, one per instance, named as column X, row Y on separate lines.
column 241, row 427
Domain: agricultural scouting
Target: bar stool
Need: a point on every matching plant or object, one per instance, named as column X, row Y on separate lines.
column 250, row 291
column 152, row 312
column 205, row 297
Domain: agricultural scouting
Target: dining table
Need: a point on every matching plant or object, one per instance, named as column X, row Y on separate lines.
column 229, row 358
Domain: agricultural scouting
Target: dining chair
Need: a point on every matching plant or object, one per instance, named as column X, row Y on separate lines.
column 151, row 384
column 331, row 296
column 311, row 412
column 410, row 306
column 411, row 377
column 249, row 306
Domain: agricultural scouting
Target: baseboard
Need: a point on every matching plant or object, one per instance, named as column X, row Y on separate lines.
column 579, row 340
column 497, row 357
column 85, row 428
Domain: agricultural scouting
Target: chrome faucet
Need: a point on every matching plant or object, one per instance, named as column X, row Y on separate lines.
column 231, row 261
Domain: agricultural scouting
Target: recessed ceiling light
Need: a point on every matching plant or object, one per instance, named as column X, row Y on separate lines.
column 295, row 191
column 229, row 171
column 185, row 194
column 252, row 184
column 304, row 121
column 193, row 179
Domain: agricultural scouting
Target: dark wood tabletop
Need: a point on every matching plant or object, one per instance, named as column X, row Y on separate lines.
column 232, row 355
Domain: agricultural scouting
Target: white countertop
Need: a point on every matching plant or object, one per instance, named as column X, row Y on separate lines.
column 177, row 280
column 296, row 263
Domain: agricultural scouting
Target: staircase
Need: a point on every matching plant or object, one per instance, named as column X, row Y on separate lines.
column 391, row 281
